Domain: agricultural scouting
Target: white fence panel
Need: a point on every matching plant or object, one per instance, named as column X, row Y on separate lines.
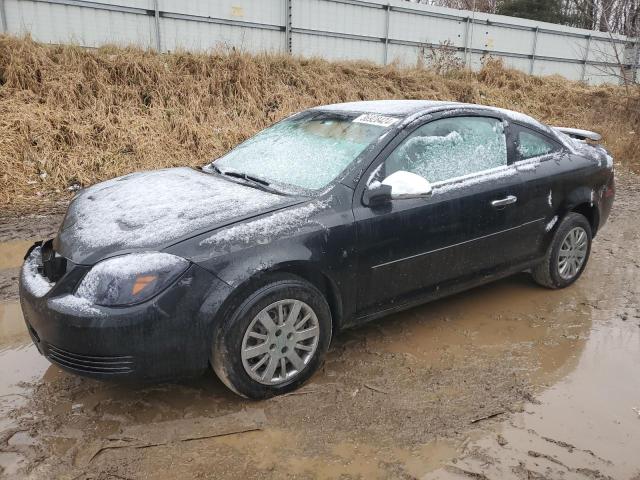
column 89, row 27
column 334, row 48
column 202, row 36
column 380, row 31
column 330, row 16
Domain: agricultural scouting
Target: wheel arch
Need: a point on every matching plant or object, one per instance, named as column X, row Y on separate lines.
column 591, row 213
column 306, row 271
column 319, row 279
column 583, row 200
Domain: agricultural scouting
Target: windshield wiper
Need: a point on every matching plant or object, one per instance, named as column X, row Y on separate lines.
column 253, row 181
column 245, row 176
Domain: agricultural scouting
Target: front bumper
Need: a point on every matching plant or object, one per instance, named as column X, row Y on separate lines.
column 167, row 337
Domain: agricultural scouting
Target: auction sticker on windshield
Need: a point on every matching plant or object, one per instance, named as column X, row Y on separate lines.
column 376, row 119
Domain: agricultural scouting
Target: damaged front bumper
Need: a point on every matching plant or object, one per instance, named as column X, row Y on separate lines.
column 168, row 336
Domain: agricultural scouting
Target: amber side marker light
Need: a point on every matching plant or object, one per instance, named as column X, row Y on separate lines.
column 142, row 282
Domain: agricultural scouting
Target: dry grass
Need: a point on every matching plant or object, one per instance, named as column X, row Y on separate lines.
column 70, row 115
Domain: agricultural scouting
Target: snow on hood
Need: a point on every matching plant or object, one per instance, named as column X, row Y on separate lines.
column 266, row 229
column 150, row 210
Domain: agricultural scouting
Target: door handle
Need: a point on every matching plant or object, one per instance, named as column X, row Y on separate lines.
column 504, row 201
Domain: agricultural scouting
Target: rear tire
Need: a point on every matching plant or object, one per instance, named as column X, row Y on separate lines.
column 567, row 255
column 272, row 339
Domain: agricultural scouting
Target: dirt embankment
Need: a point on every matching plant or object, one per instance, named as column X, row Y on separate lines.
column 71, row 117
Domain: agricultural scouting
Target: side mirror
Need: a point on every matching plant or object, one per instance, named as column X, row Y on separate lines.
column 407, row 185
column 376, row 195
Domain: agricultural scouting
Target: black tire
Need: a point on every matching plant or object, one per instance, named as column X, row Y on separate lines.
column 547, row 273
column 226, row 358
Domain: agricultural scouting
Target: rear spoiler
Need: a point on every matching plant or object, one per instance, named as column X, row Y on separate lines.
column 580, row 134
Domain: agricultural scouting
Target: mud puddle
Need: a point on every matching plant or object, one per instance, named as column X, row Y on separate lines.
column 585, row 426
column 505, row 381
column 11, row 257
column 12, row 253
column 20, row 365
column 21, row 362
column 414, row 377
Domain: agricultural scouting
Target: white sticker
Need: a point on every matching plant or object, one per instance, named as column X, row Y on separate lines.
column 376, row 119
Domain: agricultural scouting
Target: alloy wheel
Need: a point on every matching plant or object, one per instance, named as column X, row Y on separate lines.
column 280, row 341
column 573, row 253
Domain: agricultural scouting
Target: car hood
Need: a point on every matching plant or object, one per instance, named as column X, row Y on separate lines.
column 153, row 210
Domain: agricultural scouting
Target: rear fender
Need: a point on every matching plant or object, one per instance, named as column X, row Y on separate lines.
column 584, row 200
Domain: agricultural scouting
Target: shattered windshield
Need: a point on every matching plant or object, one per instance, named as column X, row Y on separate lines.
column 307, row 151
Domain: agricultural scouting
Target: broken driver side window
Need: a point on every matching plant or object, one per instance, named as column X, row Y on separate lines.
column 450, row 148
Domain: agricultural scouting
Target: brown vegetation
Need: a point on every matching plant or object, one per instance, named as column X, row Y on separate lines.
column 74, row 116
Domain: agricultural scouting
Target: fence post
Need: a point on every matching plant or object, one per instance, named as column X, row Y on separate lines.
column 3, row 18
column 586, row 58
column 533, row 50
column 287, row 26
column 157, row 25
column 466, row 39
column 636, row 63
column 386, row 33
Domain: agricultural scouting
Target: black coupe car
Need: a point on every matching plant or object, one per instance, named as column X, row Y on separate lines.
column 334, row 216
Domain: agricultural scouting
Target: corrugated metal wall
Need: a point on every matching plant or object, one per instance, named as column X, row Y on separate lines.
column 374, row 30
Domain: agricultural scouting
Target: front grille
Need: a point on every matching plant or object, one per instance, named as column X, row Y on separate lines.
column 91, row 363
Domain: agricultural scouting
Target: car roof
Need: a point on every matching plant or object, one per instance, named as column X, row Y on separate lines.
column 411, row 108
column 388, row 107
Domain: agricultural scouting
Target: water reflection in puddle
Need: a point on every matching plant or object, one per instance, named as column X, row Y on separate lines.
column 20, row 362
column 511, row 315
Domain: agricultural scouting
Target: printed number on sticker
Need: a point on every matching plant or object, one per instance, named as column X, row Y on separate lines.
column 376, row 119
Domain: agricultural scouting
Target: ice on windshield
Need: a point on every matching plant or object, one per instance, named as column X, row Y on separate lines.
column 451, row 148
column 308, row 153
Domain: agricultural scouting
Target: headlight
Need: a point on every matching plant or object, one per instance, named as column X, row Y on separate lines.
column 130, row 279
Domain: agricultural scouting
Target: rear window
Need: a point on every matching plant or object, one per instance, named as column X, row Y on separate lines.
column 531, row 144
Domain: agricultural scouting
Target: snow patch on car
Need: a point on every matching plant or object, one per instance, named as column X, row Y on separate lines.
column 550, row 198
column 473, row 179
column 31, row 279
column 138, row 263
column 586, row 149
column 74, row 305
column 608, row 161
column 407, row 183
column 375, row 175
column 264, row 230
column 528, row 166
column 151, row 208
column 551, row 223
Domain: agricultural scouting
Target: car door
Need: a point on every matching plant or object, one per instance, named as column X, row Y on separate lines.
column 412, row 246
column 540, row 190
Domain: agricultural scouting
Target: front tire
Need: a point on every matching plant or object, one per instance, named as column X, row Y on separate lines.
column 567, row 255
column 271, row 340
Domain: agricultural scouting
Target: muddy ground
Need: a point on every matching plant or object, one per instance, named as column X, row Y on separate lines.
column 505, row 381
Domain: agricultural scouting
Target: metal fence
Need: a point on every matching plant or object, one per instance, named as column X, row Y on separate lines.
column 374, row 30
